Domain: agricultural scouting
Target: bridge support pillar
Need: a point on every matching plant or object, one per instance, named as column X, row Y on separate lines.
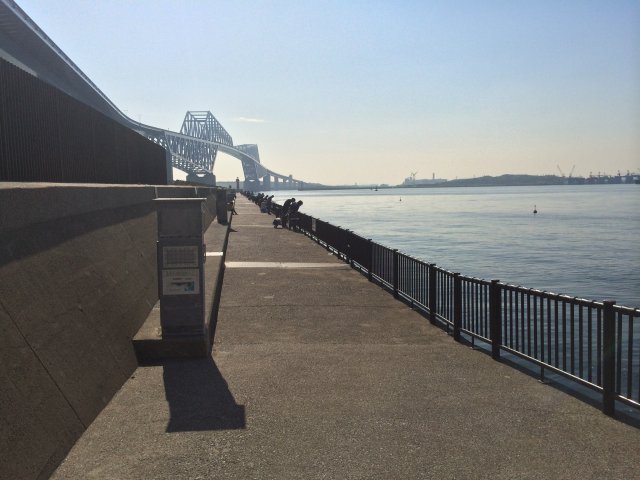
column 208, row 179
column 276, row 184
column 266, row 182
column 251, row 185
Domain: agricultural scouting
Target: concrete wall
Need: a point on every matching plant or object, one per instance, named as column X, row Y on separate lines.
column 77, row 280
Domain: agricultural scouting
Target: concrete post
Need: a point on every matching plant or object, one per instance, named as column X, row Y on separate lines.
column 221, row 206
column 181, row 269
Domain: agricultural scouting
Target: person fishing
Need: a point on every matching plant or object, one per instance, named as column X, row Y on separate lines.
column 292, row 215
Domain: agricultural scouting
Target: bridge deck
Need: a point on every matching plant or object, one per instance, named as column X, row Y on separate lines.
column 316, row 373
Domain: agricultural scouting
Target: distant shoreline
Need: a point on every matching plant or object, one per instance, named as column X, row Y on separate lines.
column 485, row 181
column 500, row 181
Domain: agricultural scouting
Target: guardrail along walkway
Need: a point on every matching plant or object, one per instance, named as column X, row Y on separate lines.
column 317, row 373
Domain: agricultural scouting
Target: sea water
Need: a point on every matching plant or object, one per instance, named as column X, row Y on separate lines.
column 584, row 241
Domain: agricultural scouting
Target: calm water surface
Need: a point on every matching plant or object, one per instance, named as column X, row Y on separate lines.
column 584, row 241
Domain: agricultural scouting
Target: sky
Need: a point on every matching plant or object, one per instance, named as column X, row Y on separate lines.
column 344, row 92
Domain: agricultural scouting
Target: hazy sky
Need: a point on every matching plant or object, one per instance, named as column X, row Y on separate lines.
column 370, row 91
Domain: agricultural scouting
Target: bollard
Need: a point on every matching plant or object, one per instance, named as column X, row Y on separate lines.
column 608, row 359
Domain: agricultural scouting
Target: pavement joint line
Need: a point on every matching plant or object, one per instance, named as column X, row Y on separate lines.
column 256, row 226
column 284, row 265
column 307, row 305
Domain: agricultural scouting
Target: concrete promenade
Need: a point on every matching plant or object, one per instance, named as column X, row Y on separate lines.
column 318, row 374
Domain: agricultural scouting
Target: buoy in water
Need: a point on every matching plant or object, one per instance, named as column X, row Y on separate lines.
column 535, row 210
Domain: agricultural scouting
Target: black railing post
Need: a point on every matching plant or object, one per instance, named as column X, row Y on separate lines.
column 495, row 319
column 608, row 359
column 395, row 273
column 433, row 292
column 370, row 273
column 457, row 306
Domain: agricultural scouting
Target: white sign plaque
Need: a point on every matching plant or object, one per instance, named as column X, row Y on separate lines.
column 182, row 281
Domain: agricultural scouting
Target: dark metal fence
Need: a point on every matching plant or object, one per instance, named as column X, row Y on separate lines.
column 596, row 344
column 48, row 136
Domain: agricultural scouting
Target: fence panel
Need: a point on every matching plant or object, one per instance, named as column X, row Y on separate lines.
column 359, row 250
column 627, row 353
column 413, row 280
column 383, row 264
column 475, row 308
column 48, row 136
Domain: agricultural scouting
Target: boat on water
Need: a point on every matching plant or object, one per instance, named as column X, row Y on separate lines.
column 412, row 181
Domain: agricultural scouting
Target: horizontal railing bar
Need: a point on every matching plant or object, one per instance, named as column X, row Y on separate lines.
column 634, row 312
column 553, row 369
column 551, row 295
column 475, row 335
column 475, row 280
column 628, row 401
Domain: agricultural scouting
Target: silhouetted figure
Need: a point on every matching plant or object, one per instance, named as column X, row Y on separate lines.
column 269, row 201
column 231, row 206
column 285, row 210
column 285, row 206
column 292, row 215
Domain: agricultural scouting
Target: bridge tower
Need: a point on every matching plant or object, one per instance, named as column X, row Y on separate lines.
column 253, row 171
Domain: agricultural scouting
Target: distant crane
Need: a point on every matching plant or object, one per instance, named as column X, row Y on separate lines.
column 562, row 173
column 560, row 170
column 413, row 176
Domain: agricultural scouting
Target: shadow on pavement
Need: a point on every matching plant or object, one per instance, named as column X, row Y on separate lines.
column 199, row 397
column 624, row 413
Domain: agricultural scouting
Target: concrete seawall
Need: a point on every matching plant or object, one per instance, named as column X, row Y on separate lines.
column 77, row 280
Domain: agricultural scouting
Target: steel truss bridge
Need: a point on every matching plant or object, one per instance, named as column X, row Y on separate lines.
column 192, row 150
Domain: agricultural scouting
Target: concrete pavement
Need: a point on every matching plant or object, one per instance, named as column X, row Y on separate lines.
column 318, row 374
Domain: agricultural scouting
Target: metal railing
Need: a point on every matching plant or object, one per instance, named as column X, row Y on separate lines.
column 596, row 344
